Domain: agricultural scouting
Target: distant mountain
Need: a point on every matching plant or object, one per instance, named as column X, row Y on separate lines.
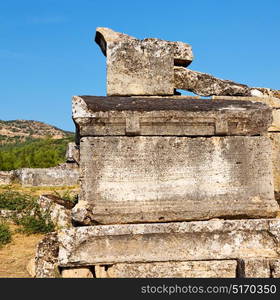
column 32, row 144
column 18, row 131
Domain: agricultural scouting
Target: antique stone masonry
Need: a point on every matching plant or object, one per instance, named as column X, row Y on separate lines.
column 171, row 186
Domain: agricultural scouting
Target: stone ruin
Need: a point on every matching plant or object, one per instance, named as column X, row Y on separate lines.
column 171, row 186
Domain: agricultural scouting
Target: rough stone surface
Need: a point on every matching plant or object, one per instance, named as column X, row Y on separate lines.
column 275, row 126
column 151, row 179
column 6, row 177
column 109, row 116
column 182, row 52
column 161, row 242
column 270, row 101
column 72, row 153
column 207, row 85
column 77, row 273
column 188, row 269
column 56, row 176
column 264, row 92
column 275, row 268
column 59, row 214
column 275, row 141
column 46, row 260
column 137, row 67
column 31, row 267
column 260, row 268
column 256, row 268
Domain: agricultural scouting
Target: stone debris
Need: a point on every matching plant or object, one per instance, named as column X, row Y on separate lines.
column 159, row 242
column 59, row 210
column 185, row 269
column 46, row 259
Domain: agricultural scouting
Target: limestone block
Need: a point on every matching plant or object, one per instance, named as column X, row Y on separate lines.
column 182, row 52
column 187, row 269
column 76, row 273
column 46, row 259
column 275, row 141
column 137, row 67
column 256, row 268
column 154, row 179
column 180, row 116
column 207, row 85
column 56, row 176
column 163, row 242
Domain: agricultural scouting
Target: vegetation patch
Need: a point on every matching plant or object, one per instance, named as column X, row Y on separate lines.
column 33, row 153
column 27, row 212
column 5, row 234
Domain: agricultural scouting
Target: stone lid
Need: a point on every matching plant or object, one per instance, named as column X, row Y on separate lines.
column 160, row 116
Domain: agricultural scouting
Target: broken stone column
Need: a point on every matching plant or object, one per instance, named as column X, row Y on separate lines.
column 140, row 157
column 140, row 67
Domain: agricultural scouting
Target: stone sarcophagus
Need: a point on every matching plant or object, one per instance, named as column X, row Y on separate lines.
column 172, row 159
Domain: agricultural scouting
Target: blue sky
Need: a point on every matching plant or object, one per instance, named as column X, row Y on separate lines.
column 47, row 53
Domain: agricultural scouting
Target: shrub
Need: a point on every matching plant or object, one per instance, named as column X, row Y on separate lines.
column 27, row 212
column 5, row 234
column 16, row 201
column 38, row 223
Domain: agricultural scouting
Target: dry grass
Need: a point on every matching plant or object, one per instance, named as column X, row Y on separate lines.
column 39, row 190
column 15, row 255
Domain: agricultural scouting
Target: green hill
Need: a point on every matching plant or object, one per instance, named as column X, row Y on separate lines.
column 31, row 144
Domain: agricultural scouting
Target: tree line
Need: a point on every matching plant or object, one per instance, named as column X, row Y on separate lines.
column 34, row 153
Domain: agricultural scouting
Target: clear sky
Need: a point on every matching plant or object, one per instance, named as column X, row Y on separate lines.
column 47, row 53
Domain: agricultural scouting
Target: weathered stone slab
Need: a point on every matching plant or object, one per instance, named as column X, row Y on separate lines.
column 187, row 269
column 207, row 85
column 270, row 101
column 151, row 179
column 275, row 141
column 161, row 242
column 109, row 116
column 182, row 52
column 76, row 273
column 56, row 176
